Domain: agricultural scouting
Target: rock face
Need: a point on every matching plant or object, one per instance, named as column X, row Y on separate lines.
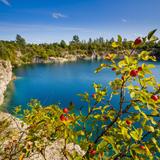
column 54, row 151
column 68, row 58
column 5, row 77
column 14, row 131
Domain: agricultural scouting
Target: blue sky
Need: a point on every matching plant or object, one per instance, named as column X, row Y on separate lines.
column 52, row 20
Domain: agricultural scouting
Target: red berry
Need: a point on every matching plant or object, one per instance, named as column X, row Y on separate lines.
column 142, row 147
column 128, row 122
column 66, row 118
column 139, row 69
column 154, row 97
column 138, row 41
column 62, row 117
column 65, row 110
column 133, row 73
column 94, row 96
column 113, row 69
column 92, row 152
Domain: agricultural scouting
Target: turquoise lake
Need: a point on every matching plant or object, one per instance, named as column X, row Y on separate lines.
column 59, row 83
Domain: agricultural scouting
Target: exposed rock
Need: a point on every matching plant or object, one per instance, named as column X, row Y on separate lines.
column 67, row 58
column 14, row 127
column 5, row 77
column 52, row 152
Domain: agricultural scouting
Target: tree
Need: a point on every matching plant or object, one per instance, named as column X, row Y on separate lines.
column 20, row 41
column 112, row 40
column 90, row 40
column 75, row 39
column 63, row 44
column 3, row 53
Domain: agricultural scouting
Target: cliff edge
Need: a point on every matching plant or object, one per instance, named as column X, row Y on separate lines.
column 5, row 77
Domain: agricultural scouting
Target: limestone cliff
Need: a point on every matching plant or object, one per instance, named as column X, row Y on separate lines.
column 13, row 131
column 5, row 77
column 68, row 58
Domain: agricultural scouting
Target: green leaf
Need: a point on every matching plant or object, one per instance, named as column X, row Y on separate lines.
column 119, row 39
column 139, row 151
column 115, row 45
column 154, row 38
column 98, row 116
column 18, row 109
column 134, row 135
column 137, row 134
column 144, row 115
column 109, row 139
column 140, row 132
column 136, row 108
column 156, row 144
column 150, row 34
column 121, row 64
column 132, row 94
column 149, row 128
column 144, row 39
column 152, row 120
column 81, row 133
column 144, row 55
column 125, row 133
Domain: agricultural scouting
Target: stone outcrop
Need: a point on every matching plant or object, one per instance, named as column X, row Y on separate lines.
column 54, row 151
column 5, row 77
column 14, row 132
column 67, row 58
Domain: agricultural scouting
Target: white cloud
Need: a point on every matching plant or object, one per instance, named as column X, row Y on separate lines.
column 123, row 20
column 6, row 2
column 58, row 15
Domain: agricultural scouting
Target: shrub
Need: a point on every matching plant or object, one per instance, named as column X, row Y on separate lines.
column 129, row 130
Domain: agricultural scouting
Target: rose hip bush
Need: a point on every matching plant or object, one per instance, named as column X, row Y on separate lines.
column 129, row 130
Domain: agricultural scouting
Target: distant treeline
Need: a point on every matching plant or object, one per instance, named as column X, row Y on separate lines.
column 19, row 51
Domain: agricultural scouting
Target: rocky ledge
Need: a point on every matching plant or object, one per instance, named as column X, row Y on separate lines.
column 12, row 129
column 5, row 77
column 65, row 59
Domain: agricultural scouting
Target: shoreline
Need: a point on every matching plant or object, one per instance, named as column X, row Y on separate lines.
column 60, row 60
column 6, row 69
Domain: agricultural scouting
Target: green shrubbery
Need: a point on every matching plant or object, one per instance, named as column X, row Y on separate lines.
column 127, row 131
column 19, row 52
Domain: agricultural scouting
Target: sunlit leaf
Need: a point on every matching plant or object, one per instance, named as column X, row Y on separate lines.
column 151, row 33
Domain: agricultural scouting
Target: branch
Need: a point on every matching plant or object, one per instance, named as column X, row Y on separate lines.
column 116, row 118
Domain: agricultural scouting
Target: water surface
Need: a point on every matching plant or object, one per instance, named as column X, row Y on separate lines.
column 58, row 83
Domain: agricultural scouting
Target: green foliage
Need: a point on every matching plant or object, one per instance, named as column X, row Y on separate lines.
column 44, row 126
column 150, row 34
column 20, row 41
column 19, row 52
column 129, row 130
